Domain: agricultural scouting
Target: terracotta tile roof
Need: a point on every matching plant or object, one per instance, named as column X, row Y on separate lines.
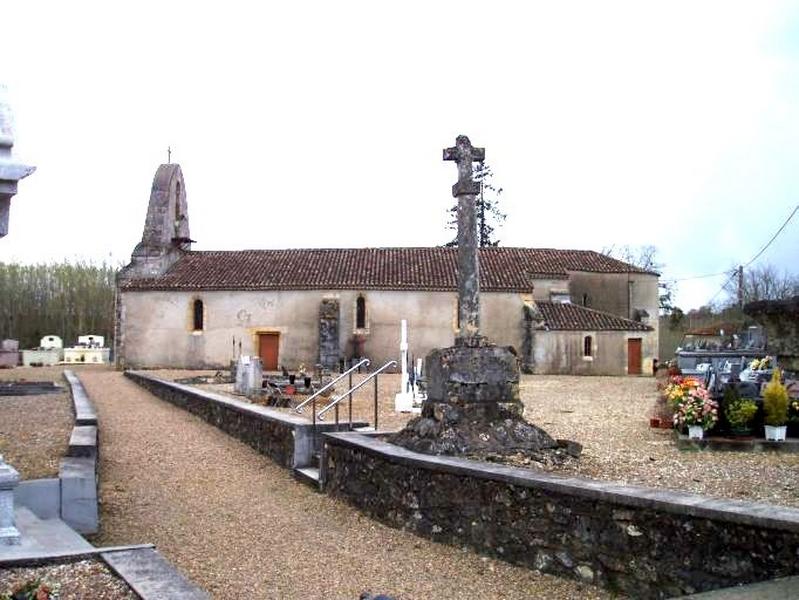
column 502, row 269
column 573, row 317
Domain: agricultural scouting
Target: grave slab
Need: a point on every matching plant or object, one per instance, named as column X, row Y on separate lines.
column 151, row 576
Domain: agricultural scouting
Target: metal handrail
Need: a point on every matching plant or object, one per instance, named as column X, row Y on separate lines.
column 349, row 392
column 364, row 362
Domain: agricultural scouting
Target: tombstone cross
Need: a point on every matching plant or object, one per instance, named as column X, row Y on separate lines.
column 465, row 190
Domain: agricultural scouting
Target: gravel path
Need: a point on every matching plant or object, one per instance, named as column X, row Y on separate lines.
column 34, row 430
column 241, row 527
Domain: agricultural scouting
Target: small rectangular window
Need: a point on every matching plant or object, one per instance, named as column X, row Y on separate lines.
column 587, row 349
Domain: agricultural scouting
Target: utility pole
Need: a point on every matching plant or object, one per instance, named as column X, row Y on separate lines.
column 740, row 287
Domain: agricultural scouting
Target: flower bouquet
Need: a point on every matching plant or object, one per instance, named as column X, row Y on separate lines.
column 694, row 409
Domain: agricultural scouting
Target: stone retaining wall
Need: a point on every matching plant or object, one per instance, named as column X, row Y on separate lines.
column 647, row 543
column 284, row 437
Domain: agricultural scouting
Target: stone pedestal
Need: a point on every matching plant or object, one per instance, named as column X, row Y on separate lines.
column 9, row 478
column 473, row 405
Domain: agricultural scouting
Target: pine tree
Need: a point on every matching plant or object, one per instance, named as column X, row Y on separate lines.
column 489, row 215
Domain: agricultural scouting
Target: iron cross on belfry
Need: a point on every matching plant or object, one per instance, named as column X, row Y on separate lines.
column 464, row 154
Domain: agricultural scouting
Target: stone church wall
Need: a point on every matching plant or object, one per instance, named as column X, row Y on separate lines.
column 156, row 327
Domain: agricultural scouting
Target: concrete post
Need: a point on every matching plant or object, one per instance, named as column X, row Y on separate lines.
column 9, row 478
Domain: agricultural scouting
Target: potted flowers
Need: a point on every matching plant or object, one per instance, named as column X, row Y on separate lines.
column 695, row 409
column 775, row 407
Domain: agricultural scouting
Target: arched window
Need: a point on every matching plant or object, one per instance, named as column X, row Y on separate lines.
column 360, row 313
column 587, row 349
column 586, row 300
column 198, row 315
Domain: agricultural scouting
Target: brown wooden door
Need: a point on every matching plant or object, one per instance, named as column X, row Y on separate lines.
column 634, row 356
column 267, row 350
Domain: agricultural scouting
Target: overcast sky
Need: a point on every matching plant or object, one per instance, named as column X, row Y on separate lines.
column 303, row 124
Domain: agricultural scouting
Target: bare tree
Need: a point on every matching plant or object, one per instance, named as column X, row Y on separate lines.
column 764, row 282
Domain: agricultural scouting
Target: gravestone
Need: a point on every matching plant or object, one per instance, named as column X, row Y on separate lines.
column 328, row 333
column 11, row 171
column 249, row 375
column 472, row 404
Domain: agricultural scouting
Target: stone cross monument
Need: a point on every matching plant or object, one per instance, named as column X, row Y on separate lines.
column 473, row 406
column 466, row 190
column 11, row 171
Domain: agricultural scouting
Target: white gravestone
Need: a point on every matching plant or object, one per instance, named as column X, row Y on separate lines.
column 249, row 375
column 408, row 399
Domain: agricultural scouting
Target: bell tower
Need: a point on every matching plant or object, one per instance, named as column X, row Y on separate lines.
column 166, row 228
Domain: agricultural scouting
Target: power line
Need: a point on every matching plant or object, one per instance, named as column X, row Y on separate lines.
column 774, row 237
column 753, row 259
column 724, row 285
column 695, row 277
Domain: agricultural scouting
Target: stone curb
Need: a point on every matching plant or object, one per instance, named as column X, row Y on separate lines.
column 734, row 511
column 150, row 575
column 77, row 472
column 85, row 413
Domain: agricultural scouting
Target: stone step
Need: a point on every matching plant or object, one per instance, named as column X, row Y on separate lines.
column 309, row 476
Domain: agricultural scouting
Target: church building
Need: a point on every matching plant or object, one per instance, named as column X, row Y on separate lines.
column 564, row 311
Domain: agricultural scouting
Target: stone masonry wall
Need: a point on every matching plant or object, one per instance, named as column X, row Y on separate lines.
column 642, row 542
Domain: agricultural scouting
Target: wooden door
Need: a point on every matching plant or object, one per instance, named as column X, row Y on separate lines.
column 634, row 356
column 267, row 349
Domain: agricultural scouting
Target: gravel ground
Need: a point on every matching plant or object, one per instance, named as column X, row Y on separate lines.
column 35, row 430
column 240, row 526
column 78, row 580
column 610, row 417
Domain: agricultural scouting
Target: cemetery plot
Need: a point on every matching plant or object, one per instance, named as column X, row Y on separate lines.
column 35, row 429
column 76, row 581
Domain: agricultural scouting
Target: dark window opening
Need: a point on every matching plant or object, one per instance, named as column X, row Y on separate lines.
column 587, row 346
column 360, row 313
column 586, row 300
column 198, row 315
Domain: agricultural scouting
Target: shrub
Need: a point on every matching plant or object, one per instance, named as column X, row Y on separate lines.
column 775, row 401
column 739, row 411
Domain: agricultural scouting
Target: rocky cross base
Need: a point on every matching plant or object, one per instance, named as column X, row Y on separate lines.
column 473, row 409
